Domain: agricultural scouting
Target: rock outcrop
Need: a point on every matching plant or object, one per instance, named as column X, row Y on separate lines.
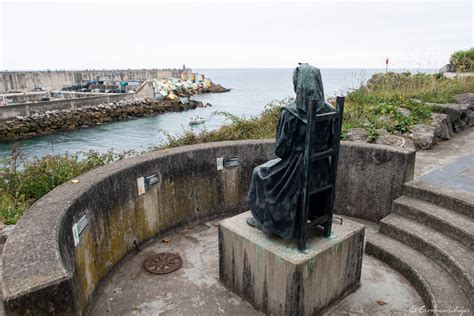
column 385, row 138
column 446, row 120
column 471, row 119
column 216, row 88
column 405, row 112
column 424, row 136
column 459, row 114
column 357, row 134
column 442, row 125
column 465, row 98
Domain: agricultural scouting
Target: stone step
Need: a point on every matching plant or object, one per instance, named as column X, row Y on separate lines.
column 453, row 256
column 456, row 225
column 456, row 200
column 435, row 286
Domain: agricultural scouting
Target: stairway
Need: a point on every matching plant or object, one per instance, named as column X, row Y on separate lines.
column 429, row 238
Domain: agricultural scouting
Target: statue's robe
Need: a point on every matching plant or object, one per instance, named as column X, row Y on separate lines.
column 276, row 188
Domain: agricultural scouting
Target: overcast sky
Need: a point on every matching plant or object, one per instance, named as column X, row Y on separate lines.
column 250, row 34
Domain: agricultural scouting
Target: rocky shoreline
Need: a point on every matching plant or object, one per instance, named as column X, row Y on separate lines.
column 43, row 123
column 40, row 124
column 446, row 120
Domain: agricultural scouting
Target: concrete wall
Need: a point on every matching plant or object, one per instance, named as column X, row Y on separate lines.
column 22, row 97
column 27, row 109
column 49, row 80
column 146, row 90
column 28, row 97
column 44, row 273
column 370, row 177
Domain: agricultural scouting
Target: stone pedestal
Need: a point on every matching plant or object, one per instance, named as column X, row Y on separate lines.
column 272, row 275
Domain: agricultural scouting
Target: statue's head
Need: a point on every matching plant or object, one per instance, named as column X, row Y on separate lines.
column 308, row 85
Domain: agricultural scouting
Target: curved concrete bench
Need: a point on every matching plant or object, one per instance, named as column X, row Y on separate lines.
column 46, row 272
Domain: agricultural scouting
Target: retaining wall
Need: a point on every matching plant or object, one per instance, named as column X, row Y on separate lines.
column 370, row 177
column 45, row 273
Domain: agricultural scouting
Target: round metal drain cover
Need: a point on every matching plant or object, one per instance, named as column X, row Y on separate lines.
column 163, row 263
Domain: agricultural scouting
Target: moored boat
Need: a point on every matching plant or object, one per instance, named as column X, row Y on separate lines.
column 196, row 120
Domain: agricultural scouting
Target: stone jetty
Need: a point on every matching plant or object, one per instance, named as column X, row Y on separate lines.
column 49, row 122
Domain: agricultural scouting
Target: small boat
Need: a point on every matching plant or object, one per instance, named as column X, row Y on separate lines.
column 196, row 120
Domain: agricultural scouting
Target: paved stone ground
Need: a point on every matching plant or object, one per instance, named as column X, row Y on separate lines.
column 457, row 175
column 195, row 288
column 457, row 153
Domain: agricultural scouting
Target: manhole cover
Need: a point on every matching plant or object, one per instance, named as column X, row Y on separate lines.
column 163, row 263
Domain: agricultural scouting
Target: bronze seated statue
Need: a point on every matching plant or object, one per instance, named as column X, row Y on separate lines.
column 276, row 192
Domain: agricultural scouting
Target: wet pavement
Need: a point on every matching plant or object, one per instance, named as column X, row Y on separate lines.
column 195, row 289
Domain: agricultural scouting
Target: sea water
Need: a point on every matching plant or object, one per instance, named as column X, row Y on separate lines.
column 251, row 90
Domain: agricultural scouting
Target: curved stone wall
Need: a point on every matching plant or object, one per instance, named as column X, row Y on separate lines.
column 46, row 270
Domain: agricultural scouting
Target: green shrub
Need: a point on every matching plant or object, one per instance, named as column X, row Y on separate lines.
column 22, row 182
column 255, row 127
column 12, row 207
column 463, row 60
column 372, row 134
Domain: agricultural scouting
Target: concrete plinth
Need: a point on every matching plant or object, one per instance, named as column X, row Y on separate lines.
column 277, row 279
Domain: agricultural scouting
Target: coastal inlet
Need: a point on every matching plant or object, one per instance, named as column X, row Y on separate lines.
column 43, row 118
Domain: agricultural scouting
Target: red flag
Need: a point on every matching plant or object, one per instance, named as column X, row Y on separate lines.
column 386, row 61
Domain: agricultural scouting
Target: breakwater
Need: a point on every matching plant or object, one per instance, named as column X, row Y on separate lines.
column 50, row 80
column 48, row 122
column 11, row 112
